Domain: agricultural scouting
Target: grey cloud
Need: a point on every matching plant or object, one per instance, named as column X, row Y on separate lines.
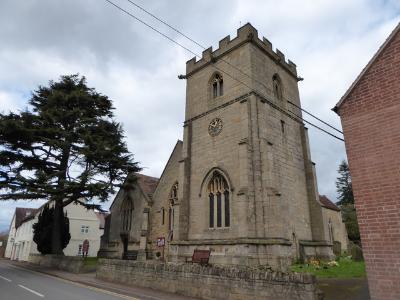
column 40, row 40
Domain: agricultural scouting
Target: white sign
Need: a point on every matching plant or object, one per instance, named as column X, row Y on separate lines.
column 161, row 242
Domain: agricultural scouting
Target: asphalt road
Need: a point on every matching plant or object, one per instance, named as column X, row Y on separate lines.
column 21, row 284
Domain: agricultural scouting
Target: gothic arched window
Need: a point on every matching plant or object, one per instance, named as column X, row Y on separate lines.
column 173, row 198
column 219, row 206
column 217, row 86
column 277, row 86
column 126, row 214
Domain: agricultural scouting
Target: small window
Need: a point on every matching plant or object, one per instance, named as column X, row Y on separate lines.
column 162, row 216
column 217, row 86
column 84, row 229
column 277, row 86
column 80, row 249
column 283, row 126
column 170, row 219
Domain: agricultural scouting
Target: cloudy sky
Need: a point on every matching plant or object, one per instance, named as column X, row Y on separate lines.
column 329, row 40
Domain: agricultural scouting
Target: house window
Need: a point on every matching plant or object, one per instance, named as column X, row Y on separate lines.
column 277, row 86
column 217, row 86
column 84, row 229
column 219, row 206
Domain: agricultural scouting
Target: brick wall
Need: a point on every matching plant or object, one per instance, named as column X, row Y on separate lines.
column 211, row 282
column 371, row 123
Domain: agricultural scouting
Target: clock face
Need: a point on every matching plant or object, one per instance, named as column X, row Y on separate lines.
column 215, row 127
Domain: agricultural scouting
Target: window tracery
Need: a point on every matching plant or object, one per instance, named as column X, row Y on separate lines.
column 217, row 86
column 219, row 201
column 127, row 214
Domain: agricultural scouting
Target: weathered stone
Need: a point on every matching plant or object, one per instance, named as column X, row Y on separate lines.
column 211, row 282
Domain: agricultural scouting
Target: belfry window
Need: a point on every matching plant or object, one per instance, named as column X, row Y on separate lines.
column 219, row 206
column 277, row 86
column 126, row 214
column 217, row 86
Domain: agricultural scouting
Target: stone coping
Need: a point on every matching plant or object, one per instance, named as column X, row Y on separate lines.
column 251, row 241
column 315, row 243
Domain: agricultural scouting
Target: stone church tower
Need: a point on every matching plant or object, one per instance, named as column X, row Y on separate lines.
column 247, row 185
column 242, row 182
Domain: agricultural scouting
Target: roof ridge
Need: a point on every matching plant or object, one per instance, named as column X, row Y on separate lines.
column 366, row 68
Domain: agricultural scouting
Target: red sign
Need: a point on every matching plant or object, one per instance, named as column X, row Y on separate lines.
column 161, row 242
column 85, row 247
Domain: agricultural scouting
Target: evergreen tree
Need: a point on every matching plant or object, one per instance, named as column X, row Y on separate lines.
column 350, row 220
column 343, row 185
column 42, row 230
column 346, row 202
column 65, row 148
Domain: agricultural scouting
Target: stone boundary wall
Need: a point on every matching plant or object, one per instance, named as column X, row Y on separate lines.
column 211, row 282
column 73, row 264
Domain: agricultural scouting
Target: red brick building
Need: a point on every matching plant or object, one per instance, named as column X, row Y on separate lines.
column 370, row 115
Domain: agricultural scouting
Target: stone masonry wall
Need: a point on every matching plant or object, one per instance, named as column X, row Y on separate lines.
column 73, row 264
column 161, row 200
column 211, row 282
column 370, row 120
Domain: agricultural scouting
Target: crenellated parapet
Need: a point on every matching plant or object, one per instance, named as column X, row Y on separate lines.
column 245, row 34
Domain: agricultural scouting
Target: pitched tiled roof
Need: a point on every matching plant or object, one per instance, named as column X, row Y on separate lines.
column 380, row 50
column 148, row 184
column 22, row 214
column 325, row 202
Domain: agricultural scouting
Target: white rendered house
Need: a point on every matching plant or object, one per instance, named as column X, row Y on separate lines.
column 20, row 237
column 84, row 225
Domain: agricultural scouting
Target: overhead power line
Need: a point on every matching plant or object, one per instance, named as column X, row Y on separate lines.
column 198, row 56
column 308, row 113
column 203, row 47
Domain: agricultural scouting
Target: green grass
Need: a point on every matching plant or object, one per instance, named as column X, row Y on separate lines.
column 347, row 268
column 90, row 261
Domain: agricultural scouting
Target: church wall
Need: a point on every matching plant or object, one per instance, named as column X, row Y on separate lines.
column 338, row 227
column 198, row 90
column 224, row 151
column 284, row 176
column 161, row 199
column 139, row 203
column 220, row 152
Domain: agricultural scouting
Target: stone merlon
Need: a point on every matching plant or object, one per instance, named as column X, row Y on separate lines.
column 245, row 34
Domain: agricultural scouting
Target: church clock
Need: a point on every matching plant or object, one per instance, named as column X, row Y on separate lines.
column 215, row 127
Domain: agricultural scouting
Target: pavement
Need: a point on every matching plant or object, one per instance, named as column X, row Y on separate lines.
column 23, row 281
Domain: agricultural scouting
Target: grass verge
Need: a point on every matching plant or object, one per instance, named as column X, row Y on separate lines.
column 345, row 268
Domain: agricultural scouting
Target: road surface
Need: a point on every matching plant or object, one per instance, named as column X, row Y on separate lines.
column 21, row 284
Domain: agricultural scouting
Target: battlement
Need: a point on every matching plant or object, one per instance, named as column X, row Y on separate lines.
column 245, row 34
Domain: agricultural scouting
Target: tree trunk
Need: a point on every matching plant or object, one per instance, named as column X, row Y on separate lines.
column 56, row 247
column 59, row 205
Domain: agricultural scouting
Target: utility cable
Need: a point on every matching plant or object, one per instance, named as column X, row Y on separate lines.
column 219, row 69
